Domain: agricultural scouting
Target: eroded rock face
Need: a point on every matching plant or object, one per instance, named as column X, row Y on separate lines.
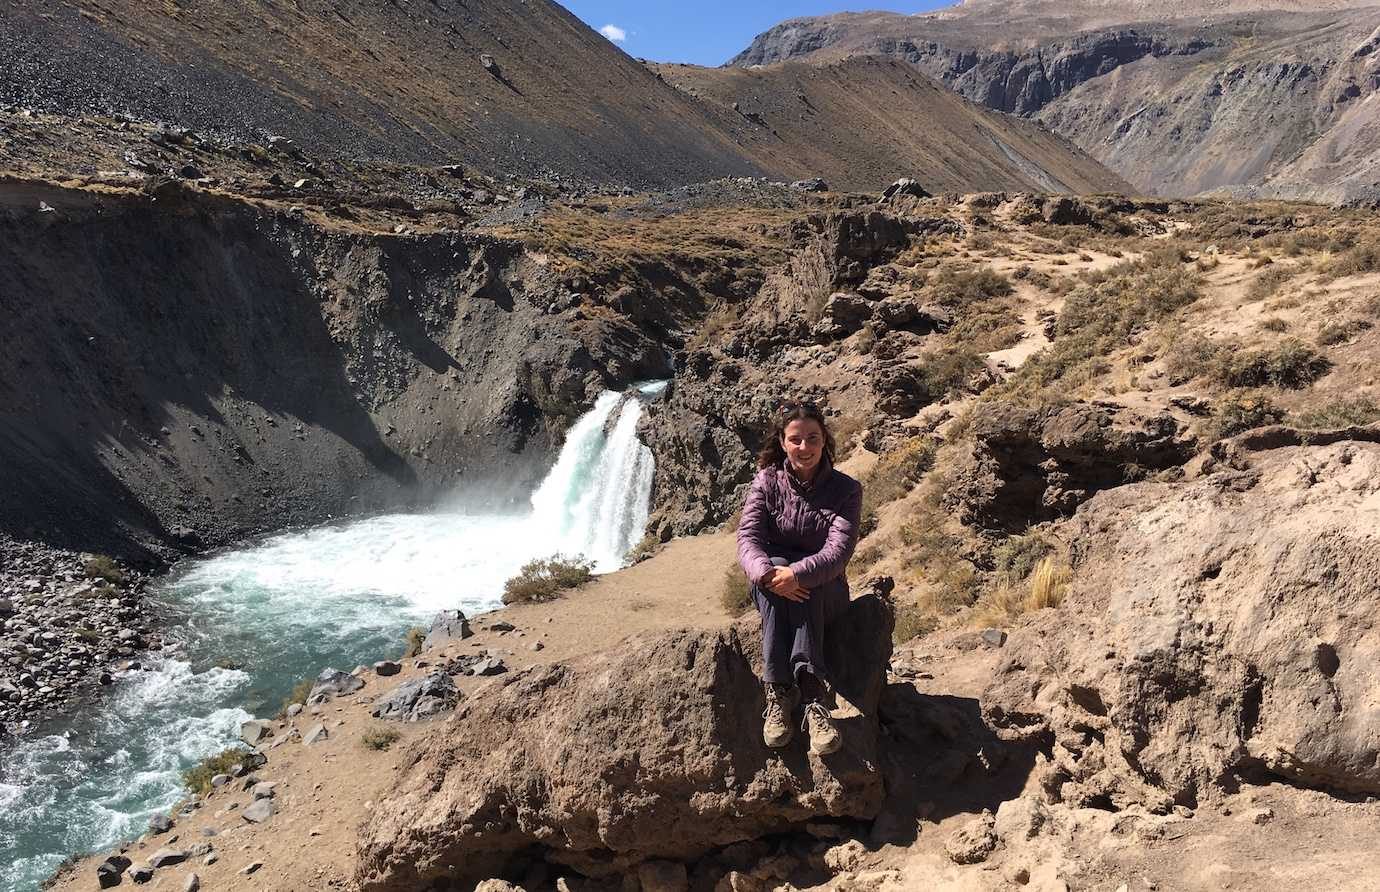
column 1031, row 465
column 1216, row 626
column 652, row 750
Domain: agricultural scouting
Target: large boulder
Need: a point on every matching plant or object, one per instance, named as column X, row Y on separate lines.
column 1217, row 627
column 1028, row 465
column 651, row 750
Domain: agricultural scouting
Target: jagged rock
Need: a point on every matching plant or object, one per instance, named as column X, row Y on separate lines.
column 812, row 185
column 139, row 873
column 1211, row 628
column 528, row 763
column 844, row 313
column 447, row 626
column 108, row 871
column 1063, row 210
column 264, row 789
column 905, row 186
column 333, row 682
column 317, row 734
column 192, row 883
column 973, row 842
column 418, row 699
column 493, row 885
column 167, row 858
column 160, row 824
column 1030, row 465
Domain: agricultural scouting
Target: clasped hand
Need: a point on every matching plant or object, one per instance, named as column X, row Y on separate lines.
column 782, row 581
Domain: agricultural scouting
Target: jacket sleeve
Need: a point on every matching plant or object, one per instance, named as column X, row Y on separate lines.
column 752, row 533
column 832, row 560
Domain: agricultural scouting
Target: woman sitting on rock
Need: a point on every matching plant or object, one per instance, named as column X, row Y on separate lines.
column 799, row 527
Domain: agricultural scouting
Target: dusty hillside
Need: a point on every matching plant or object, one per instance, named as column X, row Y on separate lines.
column 410, row 83
column 867, row 118
column 1179, row 101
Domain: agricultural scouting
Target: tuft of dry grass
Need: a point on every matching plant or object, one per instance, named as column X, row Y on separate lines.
column 893, row 476
column 1048, row 584
column 198, row 777
column 413, row 639
column 1339, row 413
column 1290, row 364
column 1240, row 411
column 735, row 594
column 379, row 739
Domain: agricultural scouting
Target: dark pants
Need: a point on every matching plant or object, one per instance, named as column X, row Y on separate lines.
column 793, row 633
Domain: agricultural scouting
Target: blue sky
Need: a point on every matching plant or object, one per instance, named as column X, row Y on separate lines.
column 708, row 32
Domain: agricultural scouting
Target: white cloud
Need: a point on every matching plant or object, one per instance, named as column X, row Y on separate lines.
column 614, row 33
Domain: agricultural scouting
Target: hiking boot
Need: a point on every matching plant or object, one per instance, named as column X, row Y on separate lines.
column 824, row 735
column 782, row 700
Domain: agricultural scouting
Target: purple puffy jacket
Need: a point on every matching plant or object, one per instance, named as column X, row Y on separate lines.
column 814, row 526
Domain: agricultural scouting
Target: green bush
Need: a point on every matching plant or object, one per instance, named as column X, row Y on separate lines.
column 379, row 738
column 1340, row 413
column 544, row 580
column 1290, row 364
column 1269, row 280
column 198, row 777
column 1239, row 412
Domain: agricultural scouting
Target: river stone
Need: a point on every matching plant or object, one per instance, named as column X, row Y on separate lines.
column 220, row 780
column 264, row 789
column 255, row 731
column 258, row 811
column 447, row 626
column 193, row 883
column 386, row 668
column 167, row 858
column 140, row 873
column 109, row 870
column 160, row 824
column 418, row 699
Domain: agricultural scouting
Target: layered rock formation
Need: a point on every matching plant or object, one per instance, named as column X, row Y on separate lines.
column 651, row 750
column 1217, row 628
column 1259, row 98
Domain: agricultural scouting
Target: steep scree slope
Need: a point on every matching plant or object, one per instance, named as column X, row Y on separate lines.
column 408, row 83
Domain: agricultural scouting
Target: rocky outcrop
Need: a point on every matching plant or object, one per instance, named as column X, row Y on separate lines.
column 649, row 751
column 273, row 371
column 1216, row 628
column 1030, row 465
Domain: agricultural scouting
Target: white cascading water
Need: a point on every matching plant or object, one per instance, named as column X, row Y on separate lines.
column 250, row 623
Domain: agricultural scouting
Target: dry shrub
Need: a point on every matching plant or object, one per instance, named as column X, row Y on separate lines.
column 912, row 621
column 1018, row 556
column 956, row 285
column 1100, row 315
column 413, row 639
column 1269, row 281
column 99, row 566
column 1275, row 324
column 1188, row 355
column 379, row 739
column 892, row 477
column 1333, row 333
column 544, row 580
column 1290, row 364
column 1241, row 411
column 1048, row 584
column 1357, row 260
column 1338, row 413
column 988, row 330
column 735, row 594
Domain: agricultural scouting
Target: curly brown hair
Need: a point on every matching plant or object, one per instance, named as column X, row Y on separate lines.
column 772, row 453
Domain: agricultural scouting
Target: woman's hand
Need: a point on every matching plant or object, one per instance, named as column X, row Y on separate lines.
column 782, row 581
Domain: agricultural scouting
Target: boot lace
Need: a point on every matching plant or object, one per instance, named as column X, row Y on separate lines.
column 774, row 712
column 816, row 719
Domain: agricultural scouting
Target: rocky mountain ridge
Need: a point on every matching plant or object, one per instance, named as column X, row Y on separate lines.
column 1245, row 99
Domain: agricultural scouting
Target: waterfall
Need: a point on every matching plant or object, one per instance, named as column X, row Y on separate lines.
column 594, row 501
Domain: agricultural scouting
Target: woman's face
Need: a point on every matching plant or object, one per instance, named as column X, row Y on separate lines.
column 803, row 440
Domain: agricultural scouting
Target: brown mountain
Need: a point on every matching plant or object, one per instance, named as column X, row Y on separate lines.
column 511, row 86
column 1263, row 98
